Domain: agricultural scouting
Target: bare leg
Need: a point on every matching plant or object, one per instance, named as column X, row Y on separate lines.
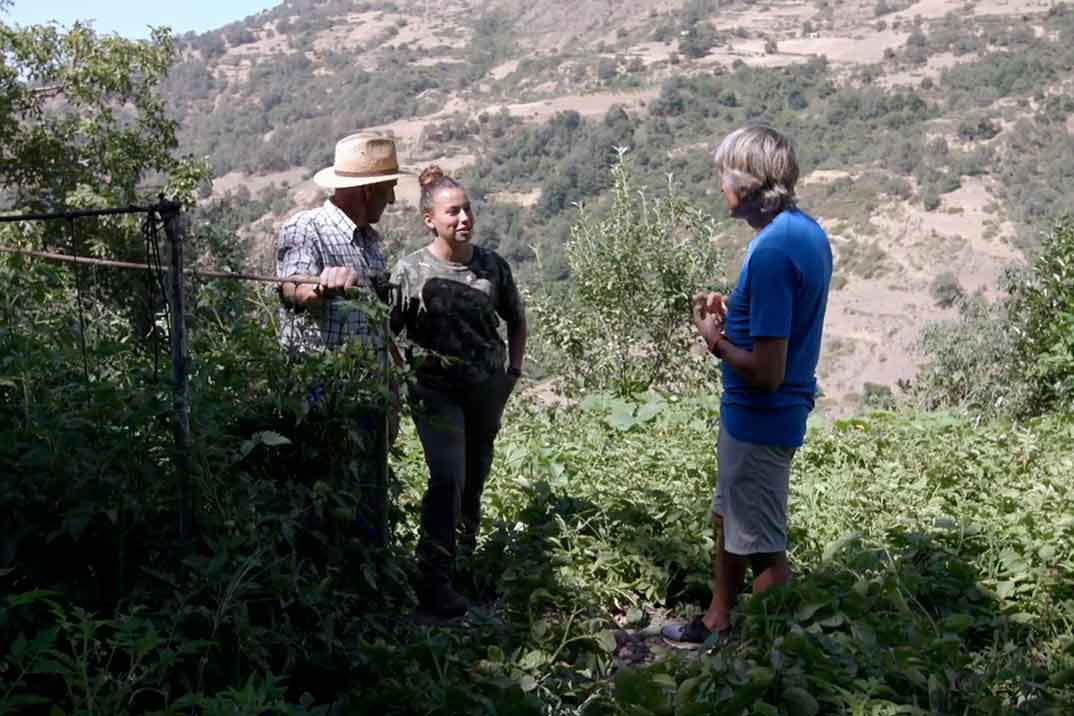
column 770, row 570
column 729, row 575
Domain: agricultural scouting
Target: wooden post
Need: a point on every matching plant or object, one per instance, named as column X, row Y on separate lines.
column 173, row 227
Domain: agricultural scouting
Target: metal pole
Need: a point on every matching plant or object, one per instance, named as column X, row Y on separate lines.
column 383, row 444
column 81, row 213
column 174, row 229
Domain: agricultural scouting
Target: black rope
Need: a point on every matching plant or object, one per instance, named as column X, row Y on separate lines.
column 155, row 283
column 69, row 215
column 81, row 305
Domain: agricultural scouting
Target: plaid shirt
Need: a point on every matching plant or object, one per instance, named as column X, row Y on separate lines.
column 308, row 243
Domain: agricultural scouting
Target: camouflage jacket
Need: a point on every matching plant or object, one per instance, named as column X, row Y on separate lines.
column 451, row 314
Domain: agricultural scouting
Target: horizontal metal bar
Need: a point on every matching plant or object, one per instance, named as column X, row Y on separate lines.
column 111, row 263
column 163, row 207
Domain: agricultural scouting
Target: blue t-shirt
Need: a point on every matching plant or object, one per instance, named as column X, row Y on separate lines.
column 782, row 292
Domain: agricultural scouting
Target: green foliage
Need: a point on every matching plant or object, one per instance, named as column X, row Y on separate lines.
column 910, row 561
column 622, row 324
column 1041, row 305
column 983, row 128
column 969, row 360
column 284, row 555
column 82, row 126
column 1014, row 355
column 931, row 551
column 698, row 40
column 80, row 117
column 946, row 290
column 913, row 563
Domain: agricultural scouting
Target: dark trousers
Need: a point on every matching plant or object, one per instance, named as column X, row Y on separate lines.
column 457, row 429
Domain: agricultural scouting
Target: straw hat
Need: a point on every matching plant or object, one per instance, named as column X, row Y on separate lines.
column 362, row 158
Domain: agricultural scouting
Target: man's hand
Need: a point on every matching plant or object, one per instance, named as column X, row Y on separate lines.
column 332, row 282
column 335, row 280
column 709, row 313
column 713, row 303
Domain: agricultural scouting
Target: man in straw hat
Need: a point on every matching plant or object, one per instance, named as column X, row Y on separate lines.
column 337, row 243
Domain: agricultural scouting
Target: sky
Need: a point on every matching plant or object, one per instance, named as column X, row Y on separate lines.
column 131, row 18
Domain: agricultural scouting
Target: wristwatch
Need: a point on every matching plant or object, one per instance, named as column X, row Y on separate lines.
column 514, row 372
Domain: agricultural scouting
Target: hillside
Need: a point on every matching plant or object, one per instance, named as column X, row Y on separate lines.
column 933, row 133
column 197, row 523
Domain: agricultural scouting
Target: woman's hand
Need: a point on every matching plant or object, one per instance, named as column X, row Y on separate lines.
column 510, row 381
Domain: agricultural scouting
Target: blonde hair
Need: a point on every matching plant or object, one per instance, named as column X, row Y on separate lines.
column 758, row 159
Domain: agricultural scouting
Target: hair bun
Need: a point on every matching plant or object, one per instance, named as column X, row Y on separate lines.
column 430, row 175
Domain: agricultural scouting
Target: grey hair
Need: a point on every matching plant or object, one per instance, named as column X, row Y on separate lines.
column 757, row 158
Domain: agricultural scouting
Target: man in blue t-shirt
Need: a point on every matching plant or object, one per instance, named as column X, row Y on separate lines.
column 767, row 334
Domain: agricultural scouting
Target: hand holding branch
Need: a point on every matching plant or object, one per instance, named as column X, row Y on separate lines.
column 335, row 280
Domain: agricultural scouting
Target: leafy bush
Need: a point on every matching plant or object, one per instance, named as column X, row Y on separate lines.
column 698, row 40
column 1041, row 307
column 1015, row 355
column 969, row 360
column 622, row 324
column 946, row 290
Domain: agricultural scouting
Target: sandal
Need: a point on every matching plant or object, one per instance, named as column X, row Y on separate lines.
column 693, row 634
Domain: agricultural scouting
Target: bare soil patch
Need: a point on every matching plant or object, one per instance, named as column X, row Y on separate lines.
column 932, row 9
column 872, row 325
column 500, row 71
column 521, row 198
column 865, row 47
column 932, row 69
column 587, row 105
column 256, row 182
column 407, row 191
column 825, row 176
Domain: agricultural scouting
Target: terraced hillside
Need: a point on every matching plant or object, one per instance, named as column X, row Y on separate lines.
column 932, row 132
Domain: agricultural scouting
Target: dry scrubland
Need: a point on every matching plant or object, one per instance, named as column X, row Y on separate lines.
column 875, row 320
column 932, row 539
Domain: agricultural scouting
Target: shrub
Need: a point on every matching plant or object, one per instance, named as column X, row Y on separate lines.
column 930, row 198
column 1041, row 307
column 1016, row 354
column 969, row 360
column 698, row 40
column 946, row 290
column 970, row 130
column 623, row 324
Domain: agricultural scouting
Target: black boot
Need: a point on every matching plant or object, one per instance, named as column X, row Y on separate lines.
column 439, row 598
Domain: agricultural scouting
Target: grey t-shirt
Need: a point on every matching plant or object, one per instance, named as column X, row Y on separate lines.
column 453, row 310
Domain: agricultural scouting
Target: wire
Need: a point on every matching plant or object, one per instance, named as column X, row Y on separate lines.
column 155, row 279
column 81, row 306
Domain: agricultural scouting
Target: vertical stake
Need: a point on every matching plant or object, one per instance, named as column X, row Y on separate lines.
column 383, row 441
column 173, row 227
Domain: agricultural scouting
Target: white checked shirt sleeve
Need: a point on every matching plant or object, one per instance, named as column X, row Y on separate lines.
column 296, row 249
column 309, row 243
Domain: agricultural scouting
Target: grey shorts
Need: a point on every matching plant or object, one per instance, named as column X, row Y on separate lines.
column 752, row 484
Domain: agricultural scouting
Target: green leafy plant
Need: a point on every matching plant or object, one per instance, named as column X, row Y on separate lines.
column 1042, row 308
column 623, row 324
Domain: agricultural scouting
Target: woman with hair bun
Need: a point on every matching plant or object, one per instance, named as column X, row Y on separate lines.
column 449, row 299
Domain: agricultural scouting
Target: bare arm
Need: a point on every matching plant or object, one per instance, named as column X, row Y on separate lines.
column 763, row 368
column 517, row 333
